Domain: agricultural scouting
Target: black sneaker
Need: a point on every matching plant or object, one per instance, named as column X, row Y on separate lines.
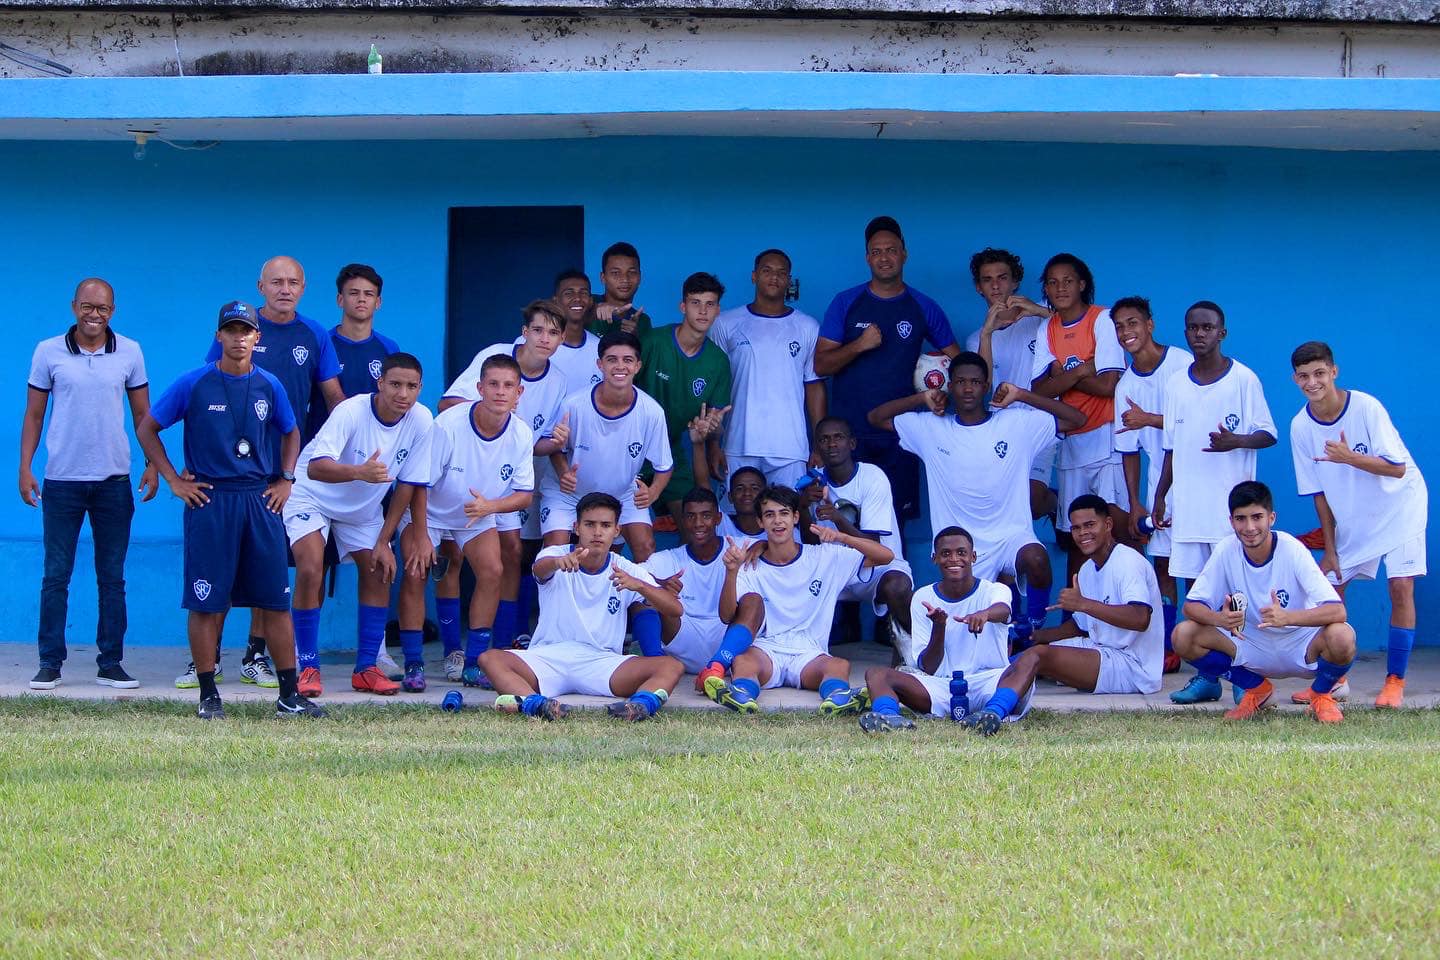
column 45, row 679
column 211, row 709
column 298, row 706
column 116, row 677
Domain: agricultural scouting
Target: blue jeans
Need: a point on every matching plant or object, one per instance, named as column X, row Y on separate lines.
column 64, row 504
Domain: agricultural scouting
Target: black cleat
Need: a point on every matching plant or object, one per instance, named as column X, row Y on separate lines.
column 211, row 709
column 627, row 710
column 984, row 722
column 298, row 706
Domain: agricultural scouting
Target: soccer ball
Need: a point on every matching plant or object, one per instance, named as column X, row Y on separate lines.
column 932, row 371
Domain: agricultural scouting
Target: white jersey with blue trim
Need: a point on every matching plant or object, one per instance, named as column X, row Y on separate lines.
column 800, row 596
column 1126, row 578
column 580, row 363
column 609, row 452
column 988, row 650
column 350, row 436
column 539, row 404
column 1291, row 574
column 1373, row 515
column 586, row 608
column 700, row 582
column 1148, row 392
column 464, row 459
column 867, row 494
column 771, row 360
column 1012, row 351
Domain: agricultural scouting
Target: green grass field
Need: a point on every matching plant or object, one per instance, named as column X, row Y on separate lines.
column 135, row 830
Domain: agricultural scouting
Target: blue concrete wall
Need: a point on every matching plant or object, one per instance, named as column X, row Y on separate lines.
column 1295, row 245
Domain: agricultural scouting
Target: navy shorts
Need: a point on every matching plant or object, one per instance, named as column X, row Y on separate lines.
column 235, row 554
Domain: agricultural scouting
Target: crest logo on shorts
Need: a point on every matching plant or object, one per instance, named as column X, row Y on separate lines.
column 815, row 588
column 1362, row 447
column 303, row 516
column 613, row 606
column 375, row 366
column 262, row 409
column 524, row 516
column 634, row 450
column 544, row 514
column 301, row 354
column 539, row 419
column 1283, row 596
column 904, row 328
column 1232, row 421
column 794, row 348
column 1032, row 347
column 401, row 455
column 1071, row 362
column 506, row 472
column 202, row 589
column 697, row 386
column 1001, row 448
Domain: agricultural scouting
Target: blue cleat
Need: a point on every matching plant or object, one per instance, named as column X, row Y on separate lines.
column 1198, row 690
column 472, row 677
column 840, row 703
column 728, row 695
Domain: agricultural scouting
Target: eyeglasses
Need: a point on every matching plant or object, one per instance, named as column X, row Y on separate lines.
column 99, row 309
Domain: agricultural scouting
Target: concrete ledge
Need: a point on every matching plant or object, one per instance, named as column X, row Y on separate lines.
column 1415, row 12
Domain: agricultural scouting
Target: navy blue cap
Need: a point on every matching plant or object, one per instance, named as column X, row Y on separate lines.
column 238, row 311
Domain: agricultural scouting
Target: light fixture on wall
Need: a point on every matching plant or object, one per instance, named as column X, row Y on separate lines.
column 141, row 137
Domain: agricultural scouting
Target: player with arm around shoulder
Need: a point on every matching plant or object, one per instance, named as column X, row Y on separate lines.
column 1369, row 495
column 586, row 593
column 1261, row 608
column 787, row 603
column 967, row 620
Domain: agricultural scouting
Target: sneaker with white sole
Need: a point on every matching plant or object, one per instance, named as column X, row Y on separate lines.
column 388, row 666
column 454, row 665
column 259, row 672
column 190, row 681
column 116, row 677
column 45, row 679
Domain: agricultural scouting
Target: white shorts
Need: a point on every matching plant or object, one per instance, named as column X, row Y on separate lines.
column 460, row 536
column 1270, row 660
column 1103, row 478
column 1406, row 560
column 996, row 559
column 558, row 512
column 866, row 589
column 1043, row 469
column 777, row 470
column 1188, row 558
column 1161, row 543
column 787, row 663
column 572, row 668
column 983, row 684
column 302, row 518
column 696, row 641
column 1120, row 671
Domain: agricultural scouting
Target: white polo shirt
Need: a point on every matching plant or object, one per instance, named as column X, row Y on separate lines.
column 87, row 438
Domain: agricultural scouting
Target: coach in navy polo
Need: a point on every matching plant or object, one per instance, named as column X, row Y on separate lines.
column 89, row 373
column 241, row 444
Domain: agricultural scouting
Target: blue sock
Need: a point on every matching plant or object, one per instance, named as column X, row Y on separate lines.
column 1169, row 613
column 885, row 705
column 646, row 629
column 1244, row 679
column 1036, row 600
column 751, row 687
column 833, row 685
column 413, row 643
column 370, row 635
column 505, row 617
column 529, row 595
column 447, row 611
column 1328, row 674
column 1002, row 702
column 1212, row 666
column 531, row 704
column 737, row 640
column 650, row 701
column 307, row 637
column 476, row 643
column 1397, row 652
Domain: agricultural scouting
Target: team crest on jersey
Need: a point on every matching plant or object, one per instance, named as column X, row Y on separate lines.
column 262, row 409
column 301, row 354
column 634, row 450
column 1232, row 421
column 594, row 379
column 815, row 588
column 1071, row 362
column 1032, row 347
column 794, row 348
column 697, row 387
column 904, row 328
column 400, row 455
column 613, row 606
column 1001, row 448
column 1362, row 447
column 375, row 366
column 506, row 472
column 1283, row 596
column 535, row 423
column 202, row 589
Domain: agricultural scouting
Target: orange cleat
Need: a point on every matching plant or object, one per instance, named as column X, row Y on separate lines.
column 714, row 670
column 1253, row 702
column 1324, row 709
column 309, row 683
column 1172, row 663
column 1339, row 694
column 371, row 680
column 1392, row 695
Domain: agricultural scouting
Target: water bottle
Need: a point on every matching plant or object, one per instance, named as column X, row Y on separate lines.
column 453, row 702
column 813, row 475
column 1146, row 525
column 959, row 697
column 373, row 62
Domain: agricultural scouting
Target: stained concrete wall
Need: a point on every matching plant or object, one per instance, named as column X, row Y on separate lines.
column 127, row 43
